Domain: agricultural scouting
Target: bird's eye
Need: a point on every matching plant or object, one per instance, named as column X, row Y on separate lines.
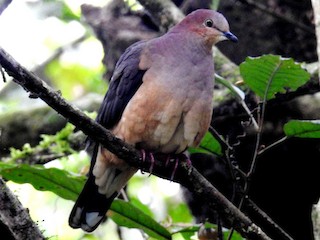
column 208, row 23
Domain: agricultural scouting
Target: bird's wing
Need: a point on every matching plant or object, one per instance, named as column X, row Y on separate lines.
column 91, row 206
column 124, row 83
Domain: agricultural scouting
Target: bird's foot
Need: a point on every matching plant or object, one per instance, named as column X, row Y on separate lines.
column 144, row 155
column 177, row 158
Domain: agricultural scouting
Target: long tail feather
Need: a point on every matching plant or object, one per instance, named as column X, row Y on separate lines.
column 90, row 208
column 103, row 185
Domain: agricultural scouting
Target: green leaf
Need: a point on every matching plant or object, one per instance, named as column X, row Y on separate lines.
column 68, row 186
column 302, row 128
column 58, row 181
column 125, row 214
column 142, row 207
column 67, row 14
column 184, row 233
column 26, row 151
column 271, row 74
column 208, row 145
column 59, row 142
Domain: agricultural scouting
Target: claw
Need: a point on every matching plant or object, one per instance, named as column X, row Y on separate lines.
column 152, row 164
column 143, row 158
column 174, row 169
column 143, row 152
column 189, row 163
column 177, row 159
column 188, row 160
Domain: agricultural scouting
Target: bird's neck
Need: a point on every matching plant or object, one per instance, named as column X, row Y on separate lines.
column 191, row 41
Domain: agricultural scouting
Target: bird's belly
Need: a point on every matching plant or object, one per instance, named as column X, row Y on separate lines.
column 164, row 122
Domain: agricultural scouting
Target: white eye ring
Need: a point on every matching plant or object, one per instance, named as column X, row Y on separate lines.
column 208, row 23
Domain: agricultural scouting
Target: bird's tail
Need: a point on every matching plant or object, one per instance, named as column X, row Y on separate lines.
column 90, row 208
column 103, row 185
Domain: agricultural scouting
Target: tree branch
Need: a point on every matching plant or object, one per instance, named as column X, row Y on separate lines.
column 185, row 175
column 16, row 217
column 262, row 215
column 164, row 13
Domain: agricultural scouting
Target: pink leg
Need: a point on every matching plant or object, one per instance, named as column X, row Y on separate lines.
column 188, row 160
column 143, row 158
column 152, row 163
column 143, row 152
column 174, row 169
column 189, row 163
column 177, row 159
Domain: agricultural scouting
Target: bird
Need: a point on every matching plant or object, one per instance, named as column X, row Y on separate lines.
column 159, row 100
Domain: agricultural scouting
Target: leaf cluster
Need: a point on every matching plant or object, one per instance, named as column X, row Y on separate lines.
column 57, row 145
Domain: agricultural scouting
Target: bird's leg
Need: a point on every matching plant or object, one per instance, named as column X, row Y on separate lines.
column 143, row 157
column 188, row 160
column 179, row 157
column 174, row 169
column 152, row 163
column 175, row 157
column 143, row 153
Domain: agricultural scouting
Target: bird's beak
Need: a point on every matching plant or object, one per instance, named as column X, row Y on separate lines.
column 230, row 36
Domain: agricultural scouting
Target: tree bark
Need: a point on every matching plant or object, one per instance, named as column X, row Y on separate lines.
column 16, row 218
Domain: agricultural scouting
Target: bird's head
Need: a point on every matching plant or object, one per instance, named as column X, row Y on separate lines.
column 209, row 24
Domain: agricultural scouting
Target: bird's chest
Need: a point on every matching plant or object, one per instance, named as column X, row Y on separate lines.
column 166, row 117
column 173, row 106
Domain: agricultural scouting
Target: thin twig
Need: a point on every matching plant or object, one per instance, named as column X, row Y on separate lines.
column 239, row 96
column 219, row 138
column 245, row 107
column 62, row 49
column 261, row 116
column 253, row 206
column 272, row 145
column 231, row 233
column 261, row 121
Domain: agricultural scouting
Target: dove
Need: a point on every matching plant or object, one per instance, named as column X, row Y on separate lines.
column 159, row 100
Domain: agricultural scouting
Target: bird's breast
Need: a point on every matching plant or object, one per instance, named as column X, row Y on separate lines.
column 166, row 117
